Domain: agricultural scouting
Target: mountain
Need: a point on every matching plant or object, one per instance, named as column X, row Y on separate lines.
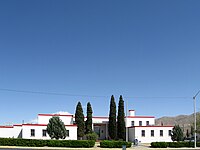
column 184, row 121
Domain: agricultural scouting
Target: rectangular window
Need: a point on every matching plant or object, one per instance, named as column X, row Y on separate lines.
column 143, row 133
column 140, row 123
column 169, row 132
column 132, row 123
column 67, row 133
column 32, row 132
column 44, row 132
column 161, row 132
column 147, row 123
column 152, row 133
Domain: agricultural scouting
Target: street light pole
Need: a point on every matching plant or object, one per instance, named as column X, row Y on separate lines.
column 195, row 120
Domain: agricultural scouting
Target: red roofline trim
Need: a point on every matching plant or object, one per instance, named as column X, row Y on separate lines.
column 100, row 117
column 6, row 126
column 54, row 115
column 46, row 125
column 149, row 126
column 18, row 125
column 140, row 117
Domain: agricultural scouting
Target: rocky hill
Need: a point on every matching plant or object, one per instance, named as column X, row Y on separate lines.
column 184, row 121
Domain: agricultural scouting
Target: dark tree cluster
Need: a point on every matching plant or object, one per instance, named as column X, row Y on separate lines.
column 116, row 125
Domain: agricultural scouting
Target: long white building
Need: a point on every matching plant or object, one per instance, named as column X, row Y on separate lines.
column 142, row 128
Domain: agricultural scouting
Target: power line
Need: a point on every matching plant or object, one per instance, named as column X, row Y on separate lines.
column 94, row 96
column 47, row 93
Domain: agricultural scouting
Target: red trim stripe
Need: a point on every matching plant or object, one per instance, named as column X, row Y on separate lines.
column 140, row 117
column 45, row 125
column 6, row 126
column 54, row 115
column 149, row 126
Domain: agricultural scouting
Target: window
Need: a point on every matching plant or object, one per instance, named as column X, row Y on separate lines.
column 132, row 123
column 67, row 133
column 169, row 132
column 140, row 123
column 44, row 132
column 147, row 123
column 152, row 133
column 32, row 132
column 143, row 133
column 161, row 132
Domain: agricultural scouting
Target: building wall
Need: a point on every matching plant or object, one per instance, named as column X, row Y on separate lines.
column 6, row 132
column 44, row 118
column 26, row 132
column 136, row 120
column 17, row 131
column 131, row 134
column 148, row 138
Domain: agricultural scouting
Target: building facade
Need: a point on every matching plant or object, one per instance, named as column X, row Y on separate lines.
column 142, row 128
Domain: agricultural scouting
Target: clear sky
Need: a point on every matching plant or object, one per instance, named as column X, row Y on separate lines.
column 147, row 51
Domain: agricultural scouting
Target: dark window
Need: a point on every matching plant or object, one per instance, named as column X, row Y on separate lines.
column 44, row 132
column 147, row 123
column 67, row 133
column 170, row 132
column 143, row 133
column 161, row 132
column 132, row 123
column 32, row 132
column 140, row 123
column 152, row 133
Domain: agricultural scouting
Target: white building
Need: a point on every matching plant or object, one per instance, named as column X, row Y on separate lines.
column 141, row 128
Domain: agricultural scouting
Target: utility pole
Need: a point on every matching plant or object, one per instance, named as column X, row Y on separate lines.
column 195, row 121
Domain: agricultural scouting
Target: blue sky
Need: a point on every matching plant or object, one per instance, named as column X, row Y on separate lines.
column 141, row 49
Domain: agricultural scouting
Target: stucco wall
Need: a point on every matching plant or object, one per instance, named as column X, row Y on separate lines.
column 148, row 138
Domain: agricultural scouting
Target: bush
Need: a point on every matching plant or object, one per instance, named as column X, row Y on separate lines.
column 91, row 136
column 159, row 145
column 114, row 144
column 50, row 143
column 173, row 144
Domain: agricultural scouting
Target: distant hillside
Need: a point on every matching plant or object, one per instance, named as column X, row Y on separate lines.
column 184, row 121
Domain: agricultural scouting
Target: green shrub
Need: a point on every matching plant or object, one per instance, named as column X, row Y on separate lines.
column 114, row 144
column 173, row 144
column 159, row 144
column 50, row 143
column 91, row 136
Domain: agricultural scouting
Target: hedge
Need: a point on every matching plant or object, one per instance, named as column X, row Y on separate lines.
column 173, row 144
column 50, row 143
column 114, row 144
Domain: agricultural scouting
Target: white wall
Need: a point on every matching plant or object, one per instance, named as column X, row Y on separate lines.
column 6, row 132
column 44, row 119
column 26, row 132
column 17, row 131
column 137, row 119
column 148, row 138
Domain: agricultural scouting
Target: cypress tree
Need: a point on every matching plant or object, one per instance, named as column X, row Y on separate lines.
column 120, row 120
column 56, row 128
column 112, row 129
column 177, row 133
column 88, row 123
column 79, row 119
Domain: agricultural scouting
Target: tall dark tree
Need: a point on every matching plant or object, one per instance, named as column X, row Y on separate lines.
column 121, row 130
column 177, row 133
column 88, row 123
column 192, row 131
column 56, row 128
column 187, row 133
column 112, row 128
column 79, row 119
